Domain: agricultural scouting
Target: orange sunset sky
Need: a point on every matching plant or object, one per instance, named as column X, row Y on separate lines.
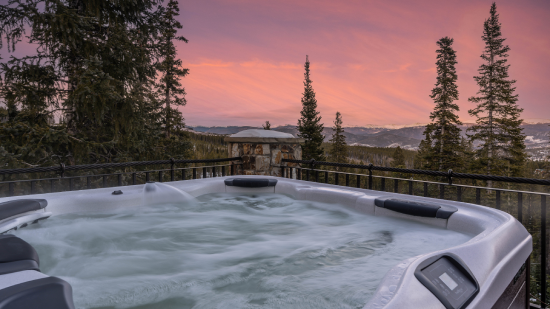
column 374, row 61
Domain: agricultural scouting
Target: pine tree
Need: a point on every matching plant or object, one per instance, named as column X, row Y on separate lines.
column 424, row 158
column 502, row 149
column 398, row 158
column 267, row 125
column 338, row 148
column 444, row 127
column 171, row 90
column 94, row 67
column 309, row 125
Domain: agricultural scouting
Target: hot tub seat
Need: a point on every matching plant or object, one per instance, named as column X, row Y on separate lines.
column 22, row 286
column 17, row 255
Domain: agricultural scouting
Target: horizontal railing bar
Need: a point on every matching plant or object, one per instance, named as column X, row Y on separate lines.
column 450, row 174
column 432, row 182
column 63, row 168
column 112, row 174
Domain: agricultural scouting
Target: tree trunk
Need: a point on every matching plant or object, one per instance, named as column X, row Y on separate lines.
column 491, row 139
column 168, row 121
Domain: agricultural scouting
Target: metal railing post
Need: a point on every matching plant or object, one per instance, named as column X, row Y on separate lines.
column 358, row 181
column 223, row 170
column 543, row 260
column 396, row 186
column 336, row 179
column 497, row 199
column 89, row 182
column 370, row 176
column 520, row 207
column 11, row 189
column 410, row 187
column 326, row 177
column 307, row 174
column 195, row 172
column 459, row 194
column 214, row 171
column 172, row 163
column 347, row 180
column 442, row 192
column 134, row 178
column 147, row 177
column 160, row 176
column 104, row 181
column 33, row 187
column 203, row 172
column 119, row 180
column 478, row 196
column 383, row 184
column 426, row 189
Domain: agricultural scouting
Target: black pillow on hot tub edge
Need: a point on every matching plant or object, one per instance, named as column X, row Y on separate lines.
column 13, row 249
column 16, row 207
column 250, row 182
column 45, row 293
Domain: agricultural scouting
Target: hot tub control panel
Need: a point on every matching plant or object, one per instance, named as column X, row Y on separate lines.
column 449, row 279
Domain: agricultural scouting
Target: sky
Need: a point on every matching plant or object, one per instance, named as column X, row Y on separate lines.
column 373, row 61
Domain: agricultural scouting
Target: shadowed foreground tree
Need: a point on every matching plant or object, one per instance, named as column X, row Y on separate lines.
column 309, row 125
column 94, row 70
column 502, row 149
column 170, row 88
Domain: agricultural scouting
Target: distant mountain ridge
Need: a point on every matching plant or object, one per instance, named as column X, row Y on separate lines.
column 408, row 137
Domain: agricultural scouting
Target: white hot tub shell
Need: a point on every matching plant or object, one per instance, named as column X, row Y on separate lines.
column 495, row 257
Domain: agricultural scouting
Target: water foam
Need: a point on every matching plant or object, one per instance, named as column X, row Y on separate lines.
column 227, row 251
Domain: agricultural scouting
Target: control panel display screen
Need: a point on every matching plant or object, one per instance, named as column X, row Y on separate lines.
column 448, row 281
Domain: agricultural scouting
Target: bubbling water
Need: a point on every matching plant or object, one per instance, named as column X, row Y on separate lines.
column 228, row 251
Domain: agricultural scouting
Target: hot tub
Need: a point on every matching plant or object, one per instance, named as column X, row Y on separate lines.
column 291, row 244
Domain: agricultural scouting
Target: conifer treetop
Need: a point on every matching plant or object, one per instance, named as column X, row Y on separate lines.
column 309, row 126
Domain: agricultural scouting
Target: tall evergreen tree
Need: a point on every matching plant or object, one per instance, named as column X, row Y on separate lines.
column 338, row 148
column 444, row 127
column 502, row 149
column 267, row 125
column 309, row 125
column 171, row 90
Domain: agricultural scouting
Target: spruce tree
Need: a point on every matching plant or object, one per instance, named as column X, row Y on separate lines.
column 444, row 127
column 338, row 148
column 267, row 125
column 309, row 125
column 424, row 158
column 502, row 149
column 398, row 158
column 171, row 90
column 95, row 68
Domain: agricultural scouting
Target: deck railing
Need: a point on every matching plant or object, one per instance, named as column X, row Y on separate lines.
column 126, row 173
column 524, row 211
